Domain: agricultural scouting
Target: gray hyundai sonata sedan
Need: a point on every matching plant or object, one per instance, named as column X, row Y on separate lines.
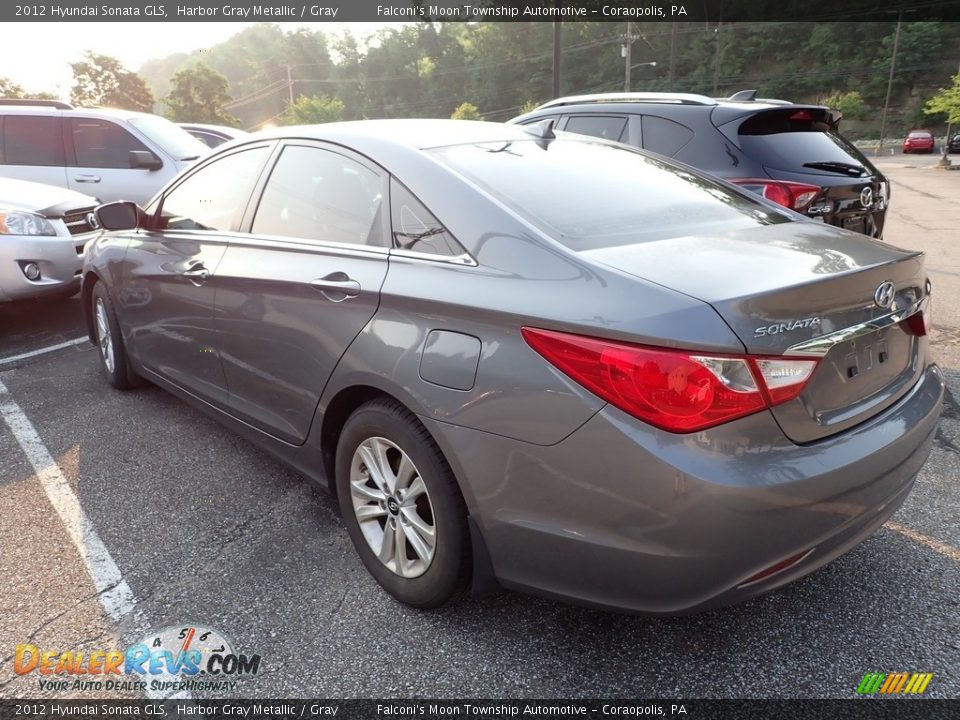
column 521, row 358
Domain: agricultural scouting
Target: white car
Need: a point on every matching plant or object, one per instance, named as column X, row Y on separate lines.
column 43, row 233
column 113, row 154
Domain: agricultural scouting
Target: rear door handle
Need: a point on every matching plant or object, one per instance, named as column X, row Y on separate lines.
column 86, row 178
column 336, row 286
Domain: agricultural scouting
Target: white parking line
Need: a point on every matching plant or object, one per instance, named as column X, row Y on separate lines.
column 43, row 351
column 114, row 593
column 947, row 551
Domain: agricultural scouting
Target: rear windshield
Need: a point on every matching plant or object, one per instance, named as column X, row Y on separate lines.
column 923, row 135
column 591, row 195
column 798, row 141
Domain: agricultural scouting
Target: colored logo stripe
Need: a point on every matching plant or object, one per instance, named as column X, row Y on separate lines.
column 894, row 683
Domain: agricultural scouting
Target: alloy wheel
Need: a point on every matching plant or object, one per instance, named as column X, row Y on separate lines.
column 393, row 507
column 104, row 337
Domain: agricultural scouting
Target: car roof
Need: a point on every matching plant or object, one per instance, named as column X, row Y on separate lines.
column 415, row 134
column 115, row 113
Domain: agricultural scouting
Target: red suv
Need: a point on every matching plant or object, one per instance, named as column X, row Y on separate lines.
column 918, row 141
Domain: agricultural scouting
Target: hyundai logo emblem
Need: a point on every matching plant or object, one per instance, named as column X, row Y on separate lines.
column 885, row 293
column 866, row 197
column 92, row 221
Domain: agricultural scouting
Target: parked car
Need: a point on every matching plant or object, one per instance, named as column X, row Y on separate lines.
column 213, row 135
column 918, row 141
column 43, row 230
column 542, row 360
column 113, row 154
column 789, row 153
column 954, row 145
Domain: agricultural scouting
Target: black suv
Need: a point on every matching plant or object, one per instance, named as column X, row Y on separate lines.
column 791, row 154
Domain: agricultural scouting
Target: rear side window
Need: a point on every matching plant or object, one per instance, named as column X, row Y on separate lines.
column 415, row 228
column 102, row 144
column 799, row 141
column 636, row 198
column 33, row 140
column 664, row 137
column 213, row 197
column 316, row 194
column 608, row 127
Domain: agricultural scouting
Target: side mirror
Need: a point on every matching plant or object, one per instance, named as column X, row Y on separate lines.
column 121, row 215
column 144, row 160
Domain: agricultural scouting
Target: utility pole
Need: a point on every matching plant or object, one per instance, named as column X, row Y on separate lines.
column 893, row 65
column 290, row 82
column 627, row 52
column 716, row 57
column 557, row 40
column 673, row 51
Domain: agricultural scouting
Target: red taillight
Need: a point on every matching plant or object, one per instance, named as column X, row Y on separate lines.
column 676, row 390
column 793, row 195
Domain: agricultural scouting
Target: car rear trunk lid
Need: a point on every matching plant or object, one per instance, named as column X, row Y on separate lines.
column 803, row 289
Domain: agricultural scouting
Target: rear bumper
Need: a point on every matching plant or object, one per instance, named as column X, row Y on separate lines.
column 620, row 515
column 56, row 256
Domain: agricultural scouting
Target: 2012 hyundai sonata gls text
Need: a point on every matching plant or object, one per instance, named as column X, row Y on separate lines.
column 543, row 360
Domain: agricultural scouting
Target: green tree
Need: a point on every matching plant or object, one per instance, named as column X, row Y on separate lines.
column 529, row 106
column 313, row 110
column 199, row 94
column 9, row 89
column 947, row 102
column 466, row 111
column 102, row 80
column 850, row 104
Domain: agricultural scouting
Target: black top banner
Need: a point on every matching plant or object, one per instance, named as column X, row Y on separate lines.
column 708, row 11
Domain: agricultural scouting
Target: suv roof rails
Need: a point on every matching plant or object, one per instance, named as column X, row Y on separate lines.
column 36, row 102
column 637, row 97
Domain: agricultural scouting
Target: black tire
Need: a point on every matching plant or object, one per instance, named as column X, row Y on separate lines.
column 121, row 376
column 447, row 575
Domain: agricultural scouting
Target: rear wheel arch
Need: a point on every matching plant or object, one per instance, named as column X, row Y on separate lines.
column 339, row 409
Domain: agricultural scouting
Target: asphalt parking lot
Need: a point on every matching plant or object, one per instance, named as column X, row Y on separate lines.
column 207, row 530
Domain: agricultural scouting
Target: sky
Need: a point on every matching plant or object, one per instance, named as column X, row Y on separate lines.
column 37, row 55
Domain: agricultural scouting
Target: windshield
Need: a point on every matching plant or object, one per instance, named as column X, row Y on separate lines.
column 591, row 195
column 172, row 139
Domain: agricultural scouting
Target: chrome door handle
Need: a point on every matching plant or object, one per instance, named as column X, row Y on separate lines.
column 87, row 178
column 197, row 273
column 336, row 286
